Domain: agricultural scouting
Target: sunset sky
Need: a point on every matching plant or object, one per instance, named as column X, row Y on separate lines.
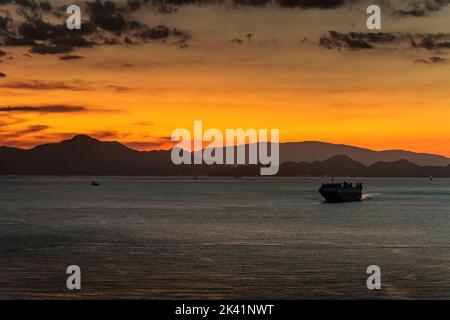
column 140, row 69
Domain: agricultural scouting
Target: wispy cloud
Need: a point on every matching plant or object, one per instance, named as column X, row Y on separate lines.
column 76, row 85
column 144, row 123
column 119, row 88
column 46, row 85
column 45, row 109
column 32, row 129
column 153, row 143
column 71, row 57
column 431, row 60
column 10, row 138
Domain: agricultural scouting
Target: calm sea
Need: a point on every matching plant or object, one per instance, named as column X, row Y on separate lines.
column 232, row 239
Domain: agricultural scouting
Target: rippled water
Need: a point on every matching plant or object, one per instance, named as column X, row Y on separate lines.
column 233, row 239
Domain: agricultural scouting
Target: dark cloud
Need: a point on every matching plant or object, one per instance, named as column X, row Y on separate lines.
column 46, row 6
column 43, row 85
column 168, row 6
column 436, row 59
column 18, row 41
column 445, row 45
column 158, row 32
column 254, row 3
column 2, row 53
column 418, row 8
column 50, row 49
column 112, row 16
column 236, row 41
column 162, row 32
column 111, row 23
column 107, row 16
column 71, row 57
column 2, row 75
column 23, row 3
column 134, row 5
column 72, row 41
column 308, row 4
column 376, row 37
column 108, row 23
column 45, row 109
column 47, row 38
column 38, row 29
column 354, row 40
column 4, row 23
column 62, row 44
column 431, row 41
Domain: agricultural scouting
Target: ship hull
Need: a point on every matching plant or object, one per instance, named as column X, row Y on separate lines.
column 340, row 195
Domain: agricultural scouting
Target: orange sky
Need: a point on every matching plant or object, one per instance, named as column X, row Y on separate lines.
column 379, row 99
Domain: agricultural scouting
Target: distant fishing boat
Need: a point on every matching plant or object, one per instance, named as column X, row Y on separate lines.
column 431, row 178
column 341, row 192
column 94, row 183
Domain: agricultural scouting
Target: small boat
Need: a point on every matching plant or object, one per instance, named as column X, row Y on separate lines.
column 341, row 192
column 431, row 178
column 94, row 183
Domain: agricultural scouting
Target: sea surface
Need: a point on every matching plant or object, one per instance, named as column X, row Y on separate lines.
column 222, row 238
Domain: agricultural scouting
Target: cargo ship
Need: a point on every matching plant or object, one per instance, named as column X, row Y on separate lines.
column 341, row 192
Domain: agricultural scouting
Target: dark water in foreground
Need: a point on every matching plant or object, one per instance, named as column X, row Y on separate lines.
column 252, row 239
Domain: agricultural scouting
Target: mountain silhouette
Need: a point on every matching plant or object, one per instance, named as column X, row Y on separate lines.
column 84, row 155
column 344, row 166
column 309, row 151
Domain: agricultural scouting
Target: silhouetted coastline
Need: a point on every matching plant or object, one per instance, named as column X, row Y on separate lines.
column 83, row 155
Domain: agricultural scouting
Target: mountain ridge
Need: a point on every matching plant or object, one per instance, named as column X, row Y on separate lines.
column 84, row 155
column 309, row 151
column 316, row 150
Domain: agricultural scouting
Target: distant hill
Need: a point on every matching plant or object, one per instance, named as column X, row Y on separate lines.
column 83, row 155
column 309, row 151
column 341, row 165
